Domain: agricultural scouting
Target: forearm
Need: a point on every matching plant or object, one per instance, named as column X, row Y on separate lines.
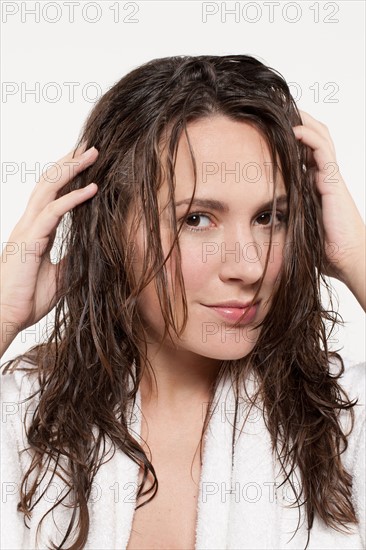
column 9, row 332
column 356, row 280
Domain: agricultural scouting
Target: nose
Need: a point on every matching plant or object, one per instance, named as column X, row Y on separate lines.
column 241, row 259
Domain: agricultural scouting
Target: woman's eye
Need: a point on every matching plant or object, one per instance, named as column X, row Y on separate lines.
column 266, row 219
column 197, row 222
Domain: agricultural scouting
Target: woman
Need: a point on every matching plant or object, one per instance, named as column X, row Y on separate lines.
column 188, row 318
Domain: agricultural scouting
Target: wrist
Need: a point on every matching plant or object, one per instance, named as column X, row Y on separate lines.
column 9, row 330
column 355, row 277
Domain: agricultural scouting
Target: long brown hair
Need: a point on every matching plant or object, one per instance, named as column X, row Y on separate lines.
column 85, row 367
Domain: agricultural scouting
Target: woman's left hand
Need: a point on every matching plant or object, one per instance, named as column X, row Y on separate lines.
column 345, row 236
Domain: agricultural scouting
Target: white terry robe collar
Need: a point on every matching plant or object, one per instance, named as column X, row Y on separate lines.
column 237, row 504
column 240, row 506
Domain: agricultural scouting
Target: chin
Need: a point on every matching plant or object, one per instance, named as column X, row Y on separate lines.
column 228, row 344
column 227, row 352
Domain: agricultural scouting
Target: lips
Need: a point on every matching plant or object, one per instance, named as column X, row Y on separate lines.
column 232, row 303
column 233, row 313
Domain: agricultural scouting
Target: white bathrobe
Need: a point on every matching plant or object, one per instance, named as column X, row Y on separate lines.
column 239, row 507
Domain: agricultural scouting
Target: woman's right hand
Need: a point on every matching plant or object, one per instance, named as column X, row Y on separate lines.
column 28, row 277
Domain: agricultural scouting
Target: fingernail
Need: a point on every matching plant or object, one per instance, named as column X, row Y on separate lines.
column 88, row 153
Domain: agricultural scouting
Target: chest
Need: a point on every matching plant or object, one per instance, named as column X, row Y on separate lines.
column 169, row 520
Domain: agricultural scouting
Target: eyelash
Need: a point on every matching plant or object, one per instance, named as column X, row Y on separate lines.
column 280, row 215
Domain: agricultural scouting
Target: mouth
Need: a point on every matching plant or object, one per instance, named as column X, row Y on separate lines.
column 234, row 313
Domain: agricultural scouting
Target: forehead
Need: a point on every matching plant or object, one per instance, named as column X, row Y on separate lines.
column 231, row 157
column 223, row 136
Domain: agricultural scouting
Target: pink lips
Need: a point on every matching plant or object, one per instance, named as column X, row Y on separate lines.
column 233, row 314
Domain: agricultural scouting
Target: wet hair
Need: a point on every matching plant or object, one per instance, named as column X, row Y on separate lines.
column 90, row 367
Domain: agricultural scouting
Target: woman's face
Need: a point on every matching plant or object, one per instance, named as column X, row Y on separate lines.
column 224, row 240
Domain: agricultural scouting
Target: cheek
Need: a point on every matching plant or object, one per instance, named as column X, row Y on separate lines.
column 275, row 261
column 148, row 304
column 195, row 267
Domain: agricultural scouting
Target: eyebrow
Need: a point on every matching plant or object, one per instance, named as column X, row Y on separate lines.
column 212, row 204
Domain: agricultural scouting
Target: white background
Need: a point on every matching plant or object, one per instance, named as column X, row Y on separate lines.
column 317, row 46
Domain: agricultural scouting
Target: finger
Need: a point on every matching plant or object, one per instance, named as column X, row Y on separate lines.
column 56, row 177
column 51, row 241
column 81, row 149
column 45, row 225
column 51, row 215
column 317, row 126
column 45, row 295
column 328, row 170
column 319, row 144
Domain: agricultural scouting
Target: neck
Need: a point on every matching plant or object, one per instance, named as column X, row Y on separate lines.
column 182, row 378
